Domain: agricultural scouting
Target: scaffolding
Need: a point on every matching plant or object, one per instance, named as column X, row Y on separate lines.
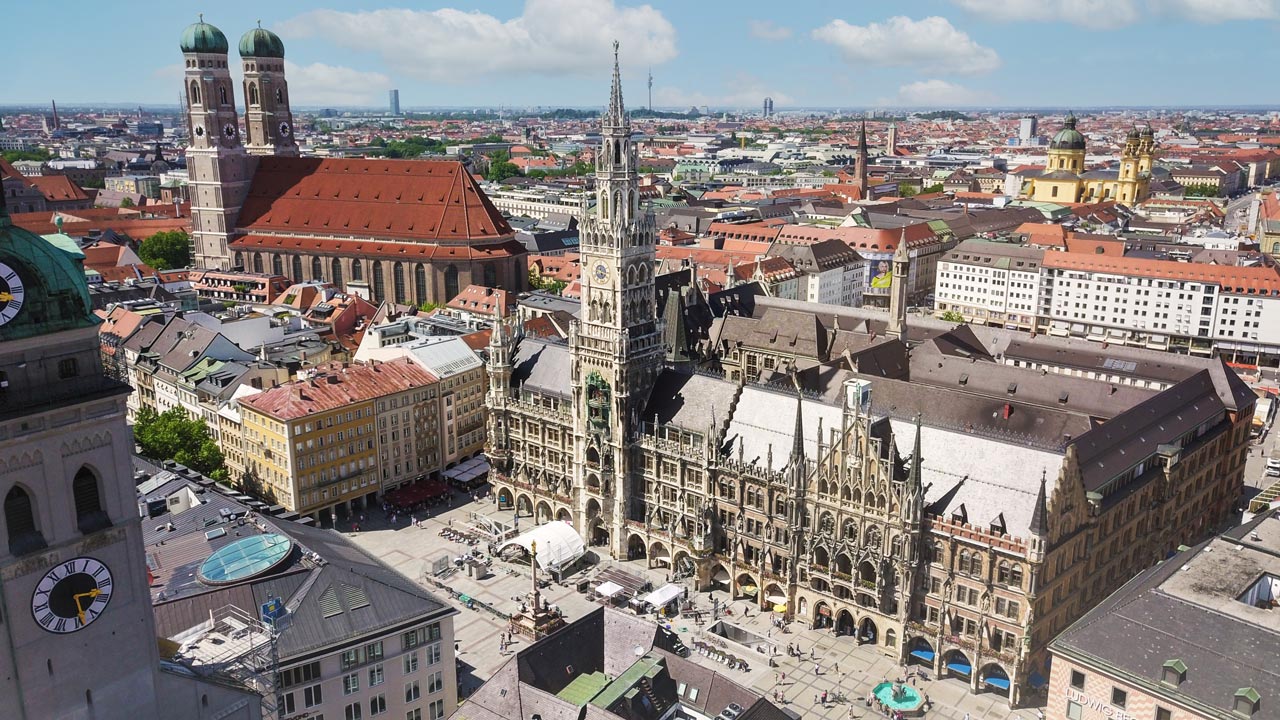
column 239, row 647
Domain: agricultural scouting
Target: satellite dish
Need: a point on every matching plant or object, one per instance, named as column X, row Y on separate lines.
column 639, row 651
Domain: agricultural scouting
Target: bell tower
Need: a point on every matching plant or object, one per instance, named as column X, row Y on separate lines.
column 268, row 122
column 216, row 160
column 616, row 345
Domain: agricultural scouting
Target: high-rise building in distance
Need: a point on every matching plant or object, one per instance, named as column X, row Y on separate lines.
column 394, row 97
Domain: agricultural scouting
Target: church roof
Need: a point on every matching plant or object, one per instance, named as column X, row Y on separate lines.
column 201, row 37
column 261, row 43
column 49, row 287
column 418, row 201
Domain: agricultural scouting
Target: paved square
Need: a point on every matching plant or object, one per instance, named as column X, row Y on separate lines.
column 841, row 664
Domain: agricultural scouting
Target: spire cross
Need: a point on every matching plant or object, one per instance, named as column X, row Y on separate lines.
column 201, row 16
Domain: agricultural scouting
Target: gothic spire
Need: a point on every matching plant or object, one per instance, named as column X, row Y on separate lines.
column 862, row 139
column 900, row 253
column 913, row 478
column 1040, row 515
column 797, row 440
column 617, row 114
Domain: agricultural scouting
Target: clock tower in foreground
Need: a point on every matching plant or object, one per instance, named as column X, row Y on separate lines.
column 77, row 633
column 616, row 344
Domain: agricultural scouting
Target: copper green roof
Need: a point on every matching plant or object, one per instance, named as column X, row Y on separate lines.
column 583, row 688
column 201, row 37
column 1068, row 138
column 55, row 293
column 261, row 43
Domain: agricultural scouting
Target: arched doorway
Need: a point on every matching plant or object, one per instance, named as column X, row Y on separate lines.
column 659, row 555
column 844, row 623
column 774, row 595
column 635, row 548
column 720, row 576
column 746, row 586
column 994, row 679
column 921, row 652
column 524, row 506
column 821, row 616
column 544, row 513
column 563, row 515
column 868, row 632
column 890, row 638
column 598, row 535
column 683, row 565
column 956, row 664
column 504, row 499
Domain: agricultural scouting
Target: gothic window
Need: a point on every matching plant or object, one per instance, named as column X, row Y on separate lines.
column 490, row 275
column 379, row 290
column 89, row 514
column 420, row 283
column 1015, row 576
column 279, row 96
column 20, row 519
column 450, row 282
column 357, row 271
column 336, row 274
column 222, row 95
column 397, row 281
column 297, row 268
column 253, row 94
column 617, row 153
column 277, row 265
column 195, row 93
column 317, row 269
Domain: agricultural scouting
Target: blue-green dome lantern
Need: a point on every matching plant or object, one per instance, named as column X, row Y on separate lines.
column 1068, row 138
column 201, row 37
column 261, row 43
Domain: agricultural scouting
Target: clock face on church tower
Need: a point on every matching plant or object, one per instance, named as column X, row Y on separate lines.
column 12, row 293
column 601, row 272
column 72, row 595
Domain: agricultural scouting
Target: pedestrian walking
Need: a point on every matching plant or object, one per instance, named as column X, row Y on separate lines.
column 836, row 667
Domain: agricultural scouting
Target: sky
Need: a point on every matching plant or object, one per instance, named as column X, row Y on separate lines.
column 722, row 53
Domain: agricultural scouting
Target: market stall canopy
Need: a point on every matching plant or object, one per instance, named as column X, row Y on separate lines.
column 663, row 595
column 608, row 589
column 558, row 544
column 469, row 471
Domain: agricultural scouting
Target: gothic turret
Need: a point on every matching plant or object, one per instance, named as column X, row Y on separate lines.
column 898, row 290
column 268, row 121
column 860, row 160
column 1039, row 526
column 501, row 348
column 913, row 505
column 216, row 159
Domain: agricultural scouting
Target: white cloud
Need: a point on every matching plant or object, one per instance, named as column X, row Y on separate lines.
column 747, row 91
column 932, row 43
column 935, row 93
column 1097, row 14
column 321, row 84
column 1216, row 11
column 550, row 37
column 767, row 30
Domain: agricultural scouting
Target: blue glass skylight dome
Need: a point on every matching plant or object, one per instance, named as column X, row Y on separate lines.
column 246, row 558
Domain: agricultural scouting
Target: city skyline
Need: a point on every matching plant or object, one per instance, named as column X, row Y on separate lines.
column 942, row 53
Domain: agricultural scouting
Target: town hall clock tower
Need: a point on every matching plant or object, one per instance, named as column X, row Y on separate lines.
column 616, row 343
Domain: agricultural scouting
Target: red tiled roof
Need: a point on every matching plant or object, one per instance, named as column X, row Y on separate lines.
column 41, row 223
column 482, row 300
column 859, row 238
column 406, row 251
column 1257, row 280
column 417, row 200
column 334, row 386
column 58, row 188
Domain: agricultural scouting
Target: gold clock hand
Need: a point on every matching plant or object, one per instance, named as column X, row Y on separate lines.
column 91, row 594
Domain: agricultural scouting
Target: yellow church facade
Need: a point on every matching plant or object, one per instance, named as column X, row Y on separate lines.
column 1065, row 179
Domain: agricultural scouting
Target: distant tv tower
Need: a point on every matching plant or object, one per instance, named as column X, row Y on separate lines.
column 651, row 89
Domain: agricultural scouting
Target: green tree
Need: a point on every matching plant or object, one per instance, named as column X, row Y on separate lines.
column 166, row 250
column 907, row 189
column 951, row 316
column 501, row 167
column 934, row 188
column 174, row 435
column 95, row 183
column 1202, row 190
column 126, row 203
column 16, row 155
column 428, row 306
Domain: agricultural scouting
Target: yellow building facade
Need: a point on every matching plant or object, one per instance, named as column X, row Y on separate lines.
column 1065, row 179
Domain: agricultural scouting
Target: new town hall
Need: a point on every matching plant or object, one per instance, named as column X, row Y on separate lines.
column 956, row 496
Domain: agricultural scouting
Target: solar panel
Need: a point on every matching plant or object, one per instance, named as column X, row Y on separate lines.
column 1121, row 365
column 245, row 558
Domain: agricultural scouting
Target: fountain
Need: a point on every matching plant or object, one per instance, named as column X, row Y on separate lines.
column 897, row 696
